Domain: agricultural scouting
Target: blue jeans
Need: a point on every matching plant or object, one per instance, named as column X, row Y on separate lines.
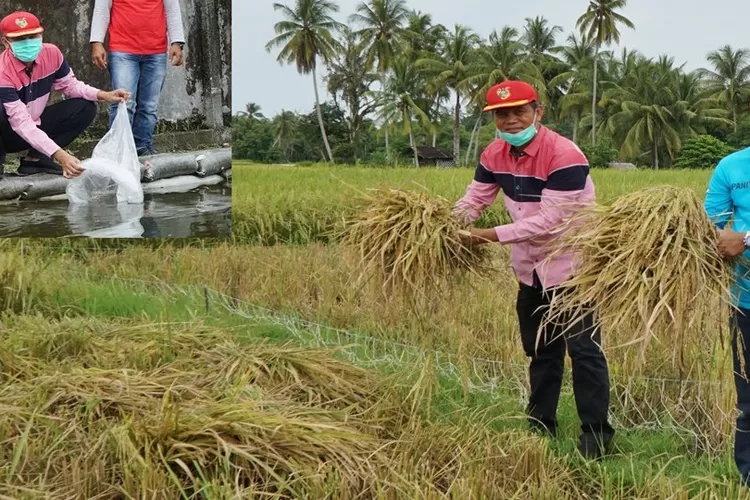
column 143, row 77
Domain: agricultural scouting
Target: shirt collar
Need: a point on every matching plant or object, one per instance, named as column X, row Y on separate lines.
column 16, row 64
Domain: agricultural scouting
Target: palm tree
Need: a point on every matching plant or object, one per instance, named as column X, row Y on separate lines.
column 399, row 100
column 578, row 57
column 350, row 76
column 655, row 108
column 423, row 40
column 305, row 35
column 455, row 70
column 420, row 36
column 599, row 23
column 699, row 111
column 729, row 82
column 286, row 125
column 252, row 111
column 504, row 58
column 541, row 41
column 382, row 22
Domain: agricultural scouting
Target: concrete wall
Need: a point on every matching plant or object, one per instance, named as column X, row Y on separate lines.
column 196, row 96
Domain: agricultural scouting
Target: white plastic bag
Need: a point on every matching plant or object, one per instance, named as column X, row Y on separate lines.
column 113, row 167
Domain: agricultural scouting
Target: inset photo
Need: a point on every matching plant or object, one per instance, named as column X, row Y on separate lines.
column 115, row 119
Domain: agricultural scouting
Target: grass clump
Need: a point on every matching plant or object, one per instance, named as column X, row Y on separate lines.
column 121, row 409
column 649, row 268
column 409, row 239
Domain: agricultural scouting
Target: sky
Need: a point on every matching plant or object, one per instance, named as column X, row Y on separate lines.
column 687, row 33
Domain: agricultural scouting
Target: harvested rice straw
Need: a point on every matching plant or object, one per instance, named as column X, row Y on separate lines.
column 649, row 268
column 410, row 239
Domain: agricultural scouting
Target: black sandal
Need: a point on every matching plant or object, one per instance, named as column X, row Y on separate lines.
column 41, row 166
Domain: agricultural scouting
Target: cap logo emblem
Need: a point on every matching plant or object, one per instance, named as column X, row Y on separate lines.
column 21, row 22
column 503, row 93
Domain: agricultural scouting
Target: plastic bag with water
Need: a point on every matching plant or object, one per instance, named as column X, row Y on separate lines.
column 113, row 169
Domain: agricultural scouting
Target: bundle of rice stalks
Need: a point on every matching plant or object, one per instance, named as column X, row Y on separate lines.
column 649, row 267
column 409, row 239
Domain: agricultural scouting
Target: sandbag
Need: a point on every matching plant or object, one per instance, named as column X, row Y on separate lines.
column 113, row 168
column 214, row 162
column 164, row 166
column 32, row 187
column 12, row 188
column 49, row 185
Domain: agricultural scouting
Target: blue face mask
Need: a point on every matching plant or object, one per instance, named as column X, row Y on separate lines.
column 519, row 138
column 27, row 50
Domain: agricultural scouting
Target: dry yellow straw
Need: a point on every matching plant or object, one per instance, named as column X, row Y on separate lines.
column 649, row 267
column 409, row 239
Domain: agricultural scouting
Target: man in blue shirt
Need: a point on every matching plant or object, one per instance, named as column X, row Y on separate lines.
column 728, row 197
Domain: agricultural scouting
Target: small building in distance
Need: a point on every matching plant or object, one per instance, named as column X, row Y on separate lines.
column 429, row 156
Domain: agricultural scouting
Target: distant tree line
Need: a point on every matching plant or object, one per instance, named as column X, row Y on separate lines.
column 397, row 80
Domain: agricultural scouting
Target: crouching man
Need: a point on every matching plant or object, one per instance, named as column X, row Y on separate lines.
column 29, row 71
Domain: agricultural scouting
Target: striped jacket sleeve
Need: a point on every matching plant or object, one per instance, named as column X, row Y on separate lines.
column 480, row 194
column 22, row 124
column 66, row 82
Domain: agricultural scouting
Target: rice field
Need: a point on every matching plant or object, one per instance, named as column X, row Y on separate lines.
column 684, row 410
column 300, row 205
column 209, row 370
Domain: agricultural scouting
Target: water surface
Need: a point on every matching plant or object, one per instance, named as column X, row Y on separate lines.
column 202, row 212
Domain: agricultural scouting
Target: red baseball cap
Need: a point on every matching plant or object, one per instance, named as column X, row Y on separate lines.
column 510, row 94
column 20, row 24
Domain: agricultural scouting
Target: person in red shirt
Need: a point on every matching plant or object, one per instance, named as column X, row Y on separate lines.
column 542, row 176
column 143, row 35
column 29, row 71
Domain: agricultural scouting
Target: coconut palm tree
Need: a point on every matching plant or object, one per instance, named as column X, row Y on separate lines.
column 350, row 76
column 649, row 111
column 286, row 126
column 504, row 58
column 540, row 40
column 600, row 23
column 454, row 69
column 252, row 111
column 729, row 81
column 423, row 39
column 305, row 35
column 399, row 101
column 698, row 111
column 577, row 55
column 382, row 24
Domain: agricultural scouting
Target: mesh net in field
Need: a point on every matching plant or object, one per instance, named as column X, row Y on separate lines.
column 649, row 268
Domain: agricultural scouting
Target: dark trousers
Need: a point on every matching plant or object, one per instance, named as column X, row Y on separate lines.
column 740, row 347
column 62, row 122
column 590, row 371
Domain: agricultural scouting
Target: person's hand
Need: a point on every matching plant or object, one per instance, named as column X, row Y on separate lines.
column 119, row 95
column 175, row 55
column 70, row 164
column 476, row 236
column 99, row 55
column 730, row 243
column 465, row 237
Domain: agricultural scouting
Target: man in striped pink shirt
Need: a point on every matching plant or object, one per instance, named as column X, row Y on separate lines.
column 29, row 71
column 542, row 176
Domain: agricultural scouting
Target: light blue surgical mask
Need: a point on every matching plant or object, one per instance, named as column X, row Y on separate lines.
column 27, row 50
column 519, row 138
